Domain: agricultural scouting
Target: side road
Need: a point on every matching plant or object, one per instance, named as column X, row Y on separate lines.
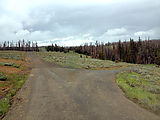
column 56, row 93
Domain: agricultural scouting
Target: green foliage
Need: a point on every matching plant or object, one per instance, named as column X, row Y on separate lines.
column 137, row 88
column 12, row 64
column 17, row 81
column 3, row 77
column 116, row 61
column 56, row 48
column 4, row 105
column 157, row 60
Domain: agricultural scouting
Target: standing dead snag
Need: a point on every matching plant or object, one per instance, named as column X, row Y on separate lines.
column 19, row 46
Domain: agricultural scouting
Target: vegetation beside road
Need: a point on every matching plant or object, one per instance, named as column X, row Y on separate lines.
column 75, row 60
column 14, row 68
column 142, row 85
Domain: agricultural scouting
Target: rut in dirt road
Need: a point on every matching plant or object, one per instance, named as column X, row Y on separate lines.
column 56, row 93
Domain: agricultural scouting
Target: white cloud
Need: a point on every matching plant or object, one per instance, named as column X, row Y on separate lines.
column 75, row 42
column 9, row 25
column 41, row 35
column 42, row 43
column 144, row 33
column 116, row 31
column 26, row 4
column 22, row 33
column 74, row 22
column 68, row 41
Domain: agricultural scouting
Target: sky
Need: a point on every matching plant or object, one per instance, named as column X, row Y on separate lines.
column 75, row 22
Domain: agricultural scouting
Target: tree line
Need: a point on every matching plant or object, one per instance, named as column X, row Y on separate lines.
column 139, row 52
column 57, row 48
column 21, row 45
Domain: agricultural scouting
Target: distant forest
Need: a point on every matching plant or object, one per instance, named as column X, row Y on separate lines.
column 19, row 46
column 139, row 52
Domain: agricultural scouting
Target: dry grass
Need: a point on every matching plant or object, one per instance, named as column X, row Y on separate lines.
column 18, row 62
column 75, row 60
column 9, row 70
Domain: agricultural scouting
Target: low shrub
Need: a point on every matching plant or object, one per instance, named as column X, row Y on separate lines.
column 12, row 64
column 3, row 77
column 116, row 61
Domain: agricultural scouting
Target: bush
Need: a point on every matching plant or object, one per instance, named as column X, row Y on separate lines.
column 157, row 60
column 116, row 61
column 9, row 64
column 3, row 77
column 16, row 66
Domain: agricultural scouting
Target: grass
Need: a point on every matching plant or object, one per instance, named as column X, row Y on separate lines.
column 74, row 60
column 13, row 73
column 142, row 85
column 12, row 55
column 4, row 105
column 17, row 81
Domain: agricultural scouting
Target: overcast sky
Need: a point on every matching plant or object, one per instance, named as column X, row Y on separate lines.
column 74, row 22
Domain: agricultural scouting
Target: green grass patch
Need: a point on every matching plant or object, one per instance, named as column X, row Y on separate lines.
column 134, row 85
column 4, row 105
column 75, row 60
column 16, row 81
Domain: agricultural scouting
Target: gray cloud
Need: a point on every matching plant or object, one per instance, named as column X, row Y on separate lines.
column 76, row 22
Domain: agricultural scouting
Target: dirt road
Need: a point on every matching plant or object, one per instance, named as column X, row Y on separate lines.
column 56, row 93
